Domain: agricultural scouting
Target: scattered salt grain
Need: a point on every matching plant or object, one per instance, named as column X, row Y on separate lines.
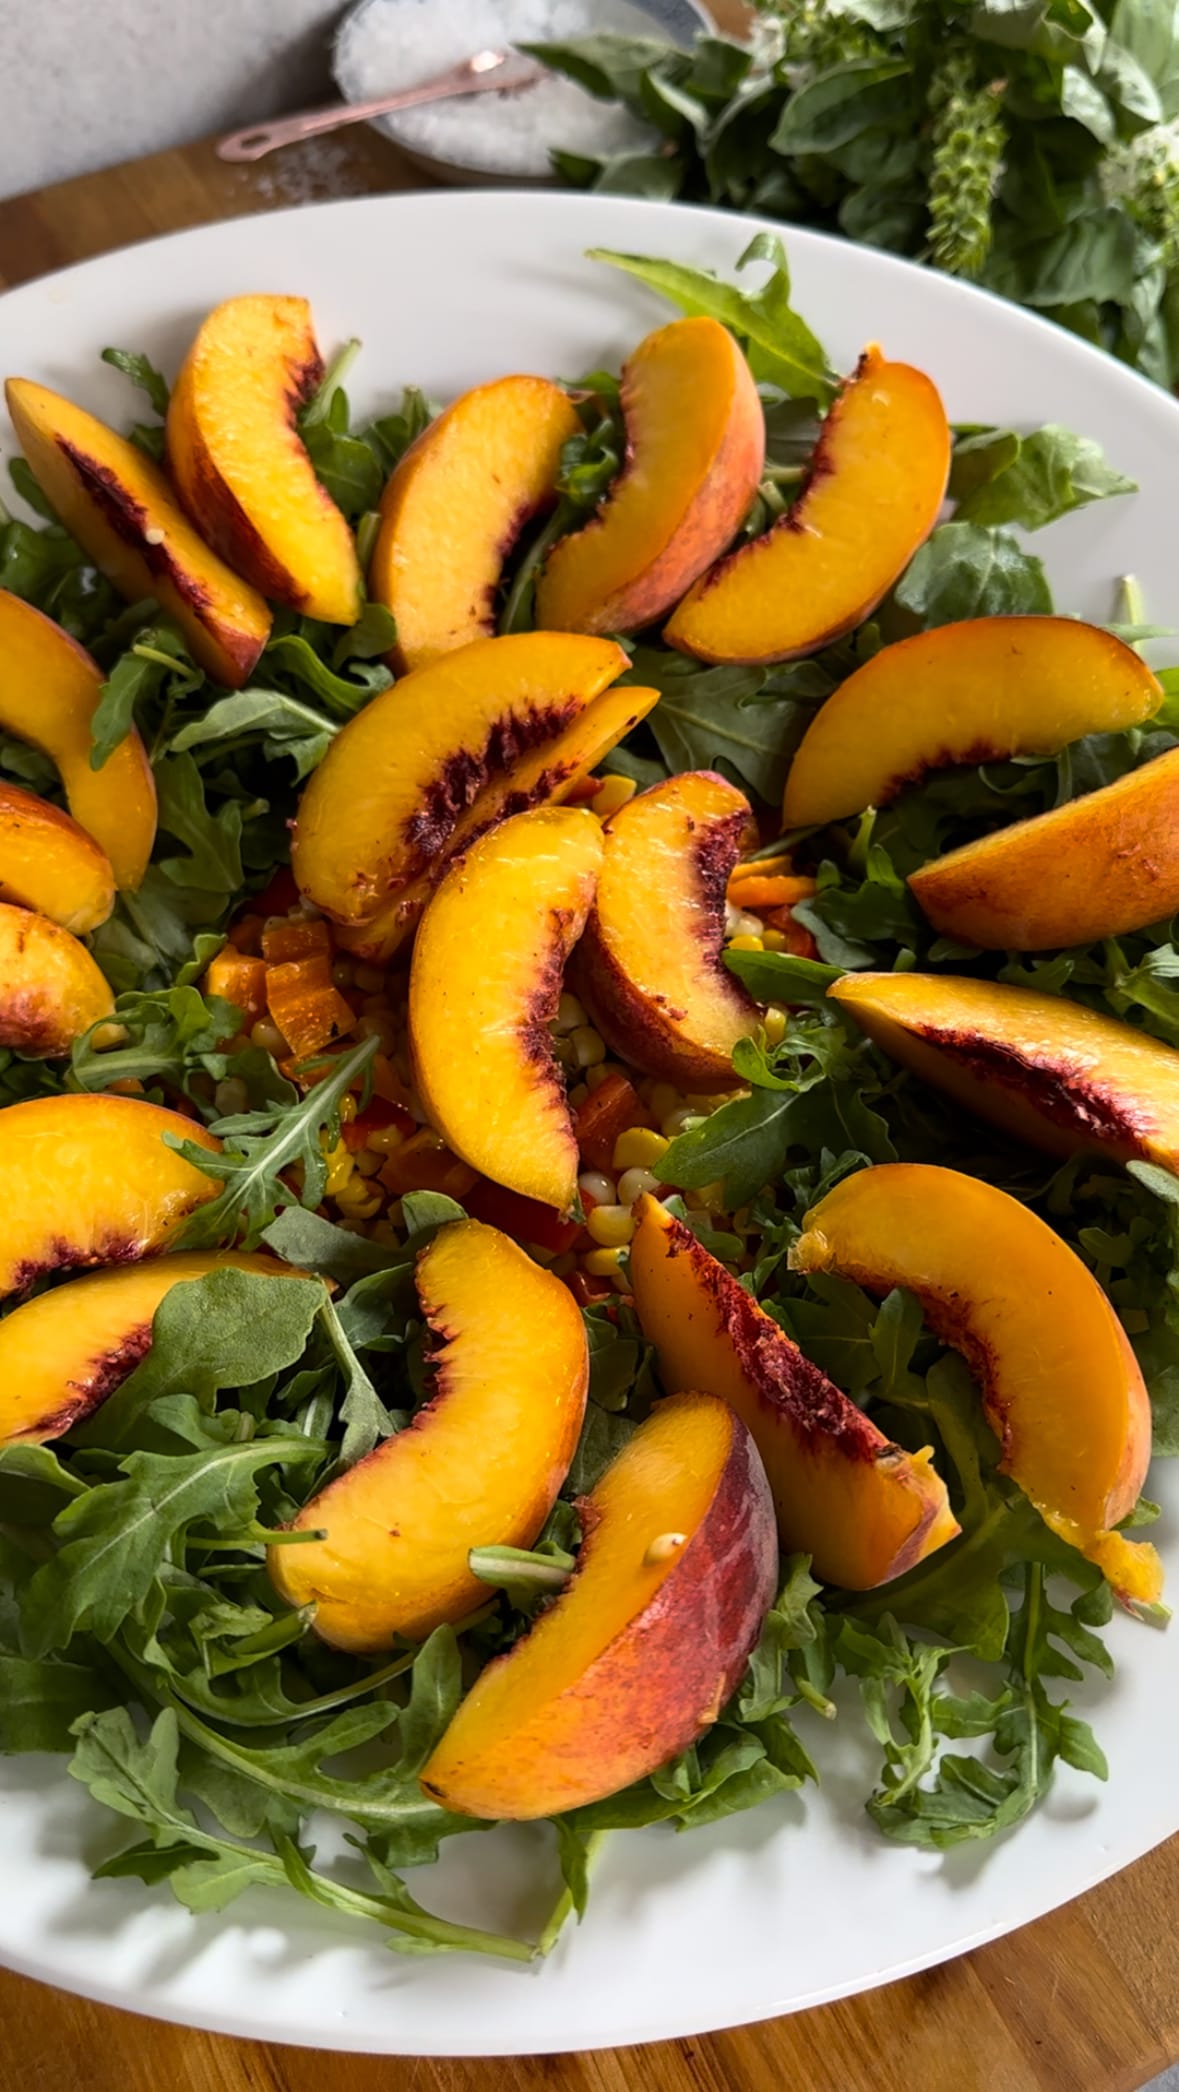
column 386, row 44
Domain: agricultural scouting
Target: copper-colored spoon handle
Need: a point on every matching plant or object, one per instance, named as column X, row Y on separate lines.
column 484, row 73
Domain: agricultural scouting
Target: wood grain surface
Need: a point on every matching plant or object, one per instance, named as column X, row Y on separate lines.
column 1087, row 2000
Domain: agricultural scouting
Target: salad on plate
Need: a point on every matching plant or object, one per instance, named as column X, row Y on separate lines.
column 589, row 1105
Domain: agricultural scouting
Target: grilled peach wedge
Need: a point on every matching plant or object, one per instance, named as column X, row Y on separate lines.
column 864, row 1510
column 240, row 467
column 975, row 692
column 1100, row 866
column 1060, row 1385
column 1047, row 1070
column 695, row 447
column 871, row 497
column 484, row 984
column 49, row 692
column 441, row 756
column 125, row 516
column 63, row 1353
column 480, row 1465
column 51, row 991
column 91, row 1180
column 50, row 864
column 636, row 1657
column 650, row 966
column 455, row 506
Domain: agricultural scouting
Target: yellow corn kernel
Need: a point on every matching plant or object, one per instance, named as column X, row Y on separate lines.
column 638, row 1148
column 774, row 940
column 383, row 1139
column 343, row 973
column 385, row 1233
column 596, row 1076
column 367, row 1163
column 612, row 1226
column 347, row 1108
column 370, row 979
column 603, row 1263
column 746, row 944
column 664, row 1099
column 267, row 1035
column 774, row 1025
column 340, row 1167
column 360, row 1201
column 613, row 792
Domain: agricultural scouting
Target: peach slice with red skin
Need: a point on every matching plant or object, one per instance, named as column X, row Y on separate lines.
column 636, row 1657
column 980, row 691
column 871, row 497
column 695, row 447
column 455, row 505
column 863, row 1509
column 125, row 516
column 1060, row 1385
column 49, row 692
column 51, row 990
column 63, row 1353
column 1097, row 867
column 91, row 1180
column 240, row 467
column 50, row 864
column 484, row 984
column 545, row 776
column 1045, row 1069
column 389, row 796
column 480, row 1465
column 650, row 965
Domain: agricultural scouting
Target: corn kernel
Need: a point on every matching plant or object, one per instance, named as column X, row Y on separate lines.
column 267, row 1035
column 369, row 979
column 633, row 1183
column 360, row 1201
column 340, row 1166
column 347, row 1108
column 613, row 792
column 603, row 1263
column 579, row 1095
column 343, row 973
column 774, row 1025
column 382, row 1028
column 739, row 922
column 679, row 1120
column 612, row 1226
column 231, row 1096
column 596, row 1076
column 662, row 1548
column 746, row 943
column 663, row 1098
column 638, row 1148
column 367, row 1163
column 570, row 1015
column 596, row 1185
column 774, row 940
column 385, row 1233
column 589, row 1046
column 562, row 1266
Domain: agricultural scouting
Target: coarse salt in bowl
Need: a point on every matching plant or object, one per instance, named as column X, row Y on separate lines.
column 386, row 44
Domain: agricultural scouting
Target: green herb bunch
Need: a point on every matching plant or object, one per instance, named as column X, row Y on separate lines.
column 1032, row 148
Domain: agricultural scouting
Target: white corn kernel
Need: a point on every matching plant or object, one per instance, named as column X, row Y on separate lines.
column 596, row 1185
column 570, row 1015
column 588, row 1045
column 633, row 1183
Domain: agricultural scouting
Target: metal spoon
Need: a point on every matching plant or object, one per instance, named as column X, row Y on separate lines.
column 479, row 74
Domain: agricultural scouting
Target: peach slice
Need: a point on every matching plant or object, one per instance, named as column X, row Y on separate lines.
column 49, row 692
column 871, row 497
column 638, row 1654
column 650, row 966
column 240, row 468
column 1060, row 1385
column 864, row 1510
column 695, row 447
column 988, row 688
column 484, row 984
column 125, row 516
column 63, row 1353
column 1098, row 867
column 48, row 863
column 51, row 991
column 455, row 506
column 479, row 1466
column 91, row 1180
column 385, row 803
column 544, row 777
column 1047, row 1070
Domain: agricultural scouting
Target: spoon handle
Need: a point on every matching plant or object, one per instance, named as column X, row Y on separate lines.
column 494, row 74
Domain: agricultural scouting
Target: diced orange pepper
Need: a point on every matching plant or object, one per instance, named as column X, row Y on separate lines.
column 239, row 979
column 308, row 1010
column 246, row 933
column 759, row 868
column 378, row 1113
column 609, row 1110
column 425, row 1163
column 294, row 939
column 778, row 891
column 799, row 942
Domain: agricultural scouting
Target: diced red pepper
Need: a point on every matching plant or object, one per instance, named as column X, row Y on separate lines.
column 378, row 1113
column 527, row 1220
column 586, row 1289
column 280, row 896
column 613, row 1108
column 799, row 942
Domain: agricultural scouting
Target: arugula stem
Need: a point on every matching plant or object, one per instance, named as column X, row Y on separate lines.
column 562, row 1909
column 514, row 611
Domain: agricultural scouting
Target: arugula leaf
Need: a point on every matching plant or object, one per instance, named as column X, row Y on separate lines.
column 41, row 1700
column 157, row 662
column 704, row 721
column 146, row 436
column 279, row 725
column 1049, row 474
column 964, row 570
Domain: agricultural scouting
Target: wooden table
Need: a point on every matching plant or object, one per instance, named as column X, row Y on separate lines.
column 1087, row 2000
